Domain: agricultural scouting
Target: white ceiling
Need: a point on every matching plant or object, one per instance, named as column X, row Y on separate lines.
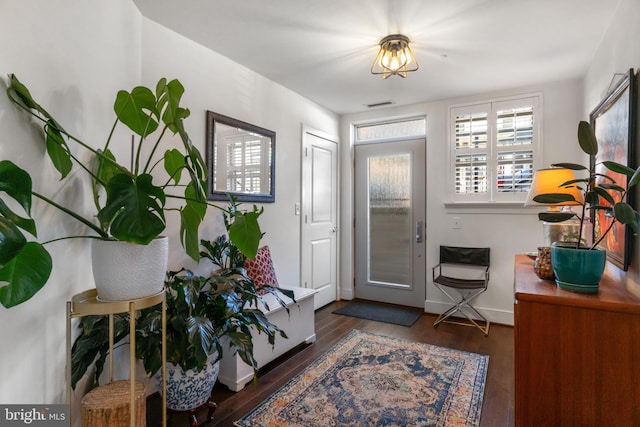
column 323, row 49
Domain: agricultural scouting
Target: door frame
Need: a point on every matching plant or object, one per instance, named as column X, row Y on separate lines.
column 305, row 188
column 419, row 278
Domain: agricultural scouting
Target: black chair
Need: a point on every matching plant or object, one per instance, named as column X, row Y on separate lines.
column 453, row 277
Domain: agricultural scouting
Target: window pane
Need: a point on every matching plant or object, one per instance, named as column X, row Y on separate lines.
column 515, row 171
column 471, row 131
column 401, row 129
column 390, row 219
column 514, row 127
column 471, row 173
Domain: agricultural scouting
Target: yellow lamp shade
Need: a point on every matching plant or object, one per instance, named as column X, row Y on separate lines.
column 546, row 181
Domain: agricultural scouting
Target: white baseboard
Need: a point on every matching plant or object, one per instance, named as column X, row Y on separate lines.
column 494, row 316
column 346, row 294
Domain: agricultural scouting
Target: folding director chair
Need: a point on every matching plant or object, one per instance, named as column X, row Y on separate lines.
column 462, row 275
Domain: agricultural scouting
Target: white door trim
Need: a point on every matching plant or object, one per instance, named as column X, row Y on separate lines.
column 308, row 277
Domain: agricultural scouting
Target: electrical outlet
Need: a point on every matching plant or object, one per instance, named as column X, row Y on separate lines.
column 456, row 222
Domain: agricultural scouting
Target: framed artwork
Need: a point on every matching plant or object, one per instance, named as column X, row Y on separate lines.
column 614, row 122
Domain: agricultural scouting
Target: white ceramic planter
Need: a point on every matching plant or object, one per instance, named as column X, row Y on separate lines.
column 191, row 389
column 126, row 271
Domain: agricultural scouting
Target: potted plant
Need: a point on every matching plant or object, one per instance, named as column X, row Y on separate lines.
column 577, row 267
column 201, row 312
column 130, row 206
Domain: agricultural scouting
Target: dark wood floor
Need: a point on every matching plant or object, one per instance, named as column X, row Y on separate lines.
column 497, row 408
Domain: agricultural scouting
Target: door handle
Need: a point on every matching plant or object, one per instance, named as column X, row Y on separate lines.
column 419, row 225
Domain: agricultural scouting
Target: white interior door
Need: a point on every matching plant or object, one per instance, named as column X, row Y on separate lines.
column 390, row 220
column 319, row 233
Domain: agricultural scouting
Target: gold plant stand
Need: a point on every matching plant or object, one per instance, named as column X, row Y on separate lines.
column 86, row 304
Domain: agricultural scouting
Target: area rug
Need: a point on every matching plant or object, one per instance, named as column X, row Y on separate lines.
column 380, row 313
column 374, row 380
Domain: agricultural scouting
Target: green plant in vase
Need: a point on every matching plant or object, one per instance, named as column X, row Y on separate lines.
column 601, row 193
column 130, row 203
column 201, row 312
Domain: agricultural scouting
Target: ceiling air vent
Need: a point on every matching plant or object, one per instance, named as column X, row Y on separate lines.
column 379, row 104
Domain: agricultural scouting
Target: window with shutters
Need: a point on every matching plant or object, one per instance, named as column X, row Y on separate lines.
column 494, row 149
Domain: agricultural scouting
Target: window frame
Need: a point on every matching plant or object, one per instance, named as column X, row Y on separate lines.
column 491, row 107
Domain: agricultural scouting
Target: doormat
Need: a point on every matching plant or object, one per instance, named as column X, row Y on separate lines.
column 380, row 313
column 373, row 380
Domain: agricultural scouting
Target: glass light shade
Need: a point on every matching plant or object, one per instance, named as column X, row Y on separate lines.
column 394, row 57
column 547, row 181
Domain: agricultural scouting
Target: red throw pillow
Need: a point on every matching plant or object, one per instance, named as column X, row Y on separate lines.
column 260, row 269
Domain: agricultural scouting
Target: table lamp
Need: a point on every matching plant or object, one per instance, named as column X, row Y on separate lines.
column 547, row 181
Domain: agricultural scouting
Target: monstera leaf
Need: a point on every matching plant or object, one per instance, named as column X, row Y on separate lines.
column 134, row 208
column 25, row 274
column 24, row 266
column 137, row 109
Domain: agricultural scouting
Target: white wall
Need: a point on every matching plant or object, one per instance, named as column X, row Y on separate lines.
column 506, row 231
column 213, row 82
column 74, row 56
column 618, row 52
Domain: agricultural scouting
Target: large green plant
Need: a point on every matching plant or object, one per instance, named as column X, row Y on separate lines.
column 130, row 206
column 598, row 190
column 134, row 207
column 200, row 311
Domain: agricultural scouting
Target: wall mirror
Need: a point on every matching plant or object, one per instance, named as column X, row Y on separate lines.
column 241, row 159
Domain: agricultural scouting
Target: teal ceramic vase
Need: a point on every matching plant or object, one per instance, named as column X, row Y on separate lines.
column 578, row 270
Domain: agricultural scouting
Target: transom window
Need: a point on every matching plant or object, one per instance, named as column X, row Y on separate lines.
column 494, row 147
column 391, row 130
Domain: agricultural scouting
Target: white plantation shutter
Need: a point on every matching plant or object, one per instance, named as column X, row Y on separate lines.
column 471, row 173
column 471, row 151
column 514, row 171
column 494, row 148
column 243, row 169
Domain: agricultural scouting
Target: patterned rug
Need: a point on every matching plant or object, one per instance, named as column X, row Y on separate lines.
column 373, row 380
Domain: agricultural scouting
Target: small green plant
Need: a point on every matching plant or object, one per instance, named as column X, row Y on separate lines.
column 597, row 189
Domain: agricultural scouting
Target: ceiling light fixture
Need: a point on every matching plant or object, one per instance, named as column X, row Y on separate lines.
column 395, row 57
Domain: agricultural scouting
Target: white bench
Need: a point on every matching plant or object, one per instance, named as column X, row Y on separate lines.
column 298, row 324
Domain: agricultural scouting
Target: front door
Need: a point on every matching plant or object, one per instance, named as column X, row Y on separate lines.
column 319, row 234
column 390, row 222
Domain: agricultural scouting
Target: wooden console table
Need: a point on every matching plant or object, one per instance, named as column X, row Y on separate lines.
column 577, row 356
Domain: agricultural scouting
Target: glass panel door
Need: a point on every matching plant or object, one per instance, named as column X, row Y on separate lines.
column 390, row 213
column 390, row 219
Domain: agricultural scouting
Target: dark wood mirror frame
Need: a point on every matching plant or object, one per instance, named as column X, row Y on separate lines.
column 260, row 173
